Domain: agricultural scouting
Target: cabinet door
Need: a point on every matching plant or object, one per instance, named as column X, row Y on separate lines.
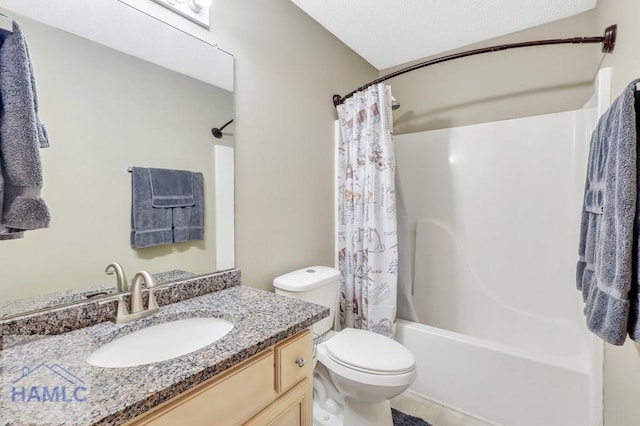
column 226, row 400
column 294, row 360
column 294, row 408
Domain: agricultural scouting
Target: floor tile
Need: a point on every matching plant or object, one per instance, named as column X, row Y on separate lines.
column 429, row 411
column 433, row 413
column 470, row 421
column 449, row 418
column 406, row 404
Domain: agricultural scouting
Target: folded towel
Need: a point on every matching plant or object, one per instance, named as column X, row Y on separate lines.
column 604, row 270
column 21, row 136
column 167, row 207
column 188, row 222
column 149, row 226
column 171, row 188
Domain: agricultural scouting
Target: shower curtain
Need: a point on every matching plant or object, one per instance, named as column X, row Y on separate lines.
column 367, row 231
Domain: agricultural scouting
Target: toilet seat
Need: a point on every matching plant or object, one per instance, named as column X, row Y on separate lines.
column 369, row 352
column 370, row 365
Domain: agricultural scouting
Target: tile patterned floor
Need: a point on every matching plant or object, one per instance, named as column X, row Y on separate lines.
column 435, row 414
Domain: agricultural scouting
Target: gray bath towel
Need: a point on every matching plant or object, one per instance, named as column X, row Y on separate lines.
column 634, row 291
column 167, row 207
column 21, row 136
column 605, row 268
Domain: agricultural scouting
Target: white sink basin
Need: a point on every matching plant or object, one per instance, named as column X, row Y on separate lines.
column 160, row 342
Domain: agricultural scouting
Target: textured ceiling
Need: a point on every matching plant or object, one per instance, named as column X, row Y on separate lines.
column 391, row 32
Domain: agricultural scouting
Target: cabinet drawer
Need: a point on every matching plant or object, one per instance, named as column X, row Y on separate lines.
column 293, row 408
column 290, row 355
column 227, row 400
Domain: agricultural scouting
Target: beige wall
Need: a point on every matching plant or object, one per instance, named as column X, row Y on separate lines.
column 287, row 69
column 105, row 111
column 500, row 85
column 622, row 364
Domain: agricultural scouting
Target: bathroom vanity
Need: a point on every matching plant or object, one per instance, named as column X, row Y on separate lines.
column 273, row 387
column 258, row 373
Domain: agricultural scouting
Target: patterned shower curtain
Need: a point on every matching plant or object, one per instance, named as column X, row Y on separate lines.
column 367, row 234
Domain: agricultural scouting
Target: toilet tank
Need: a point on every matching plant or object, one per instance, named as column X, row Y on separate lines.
column 316, row 284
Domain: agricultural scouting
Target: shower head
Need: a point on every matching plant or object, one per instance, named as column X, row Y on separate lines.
column 394, row 104
column 218, row 132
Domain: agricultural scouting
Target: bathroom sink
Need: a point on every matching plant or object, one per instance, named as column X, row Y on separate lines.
column 160, row 342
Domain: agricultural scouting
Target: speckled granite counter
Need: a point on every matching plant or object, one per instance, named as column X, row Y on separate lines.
column 113, row 396
column 64, row 318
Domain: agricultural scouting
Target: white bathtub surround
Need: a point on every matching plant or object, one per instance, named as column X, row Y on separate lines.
column 367, row 236
column 493, row 220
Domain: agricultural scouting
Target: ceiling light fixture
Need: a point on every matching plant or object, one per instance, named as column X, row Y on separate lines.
column 194, row 10
column 198, row 5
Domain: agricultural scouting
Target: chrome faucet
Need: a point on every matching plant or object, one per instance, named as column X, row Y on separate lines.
column 114, row 267
column 137, row 309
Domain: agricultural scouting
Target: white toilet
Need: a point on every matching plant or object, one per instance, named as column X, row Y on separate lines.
column 359, row 371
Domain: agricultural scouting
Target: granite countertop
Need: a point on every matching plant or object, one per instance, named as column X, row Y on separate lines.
column 47, row 380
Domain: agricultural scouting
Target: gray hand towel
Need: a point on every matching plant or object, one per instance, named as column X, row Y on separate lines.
column 171, row 188
column 21, row 136
column 188, row 222
column 604, row 270
column 149, row 226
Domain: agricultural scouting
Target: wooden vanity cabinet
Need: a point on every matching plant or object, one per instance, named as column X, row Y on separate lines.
column 273, row 387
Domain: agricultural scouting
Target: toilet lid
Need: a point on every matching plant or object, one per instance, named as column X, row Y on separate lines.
column 369, row 351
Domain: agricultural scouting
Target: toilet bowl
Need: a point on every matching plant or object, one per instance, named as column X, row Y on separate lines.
column 357, row 372
column 367, row 370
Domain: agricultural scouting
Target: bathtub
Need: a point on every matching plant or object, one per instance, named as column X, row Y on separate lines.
column 497, row 383
column 491, row 230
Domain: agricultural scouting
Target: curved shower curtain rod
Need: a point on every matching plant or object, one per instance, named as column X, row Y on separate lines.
column 608, row 40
